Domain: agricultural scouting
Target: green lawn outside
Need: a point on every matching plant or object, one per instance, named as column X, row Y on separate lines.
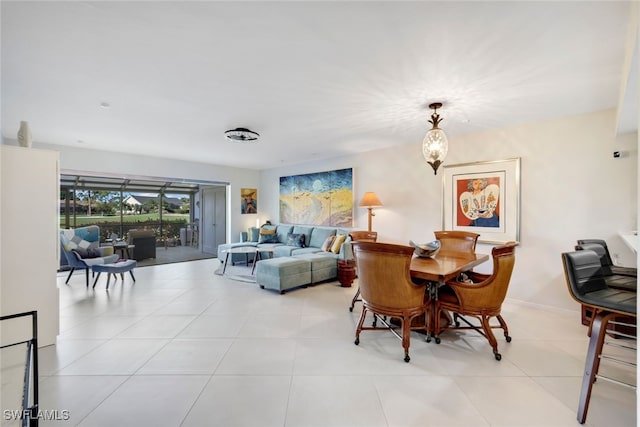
column 152, row 217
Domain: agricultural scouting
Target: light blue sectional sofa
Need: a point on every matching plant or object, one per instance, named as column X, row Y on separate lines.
column 314, row 238
column 293, row 266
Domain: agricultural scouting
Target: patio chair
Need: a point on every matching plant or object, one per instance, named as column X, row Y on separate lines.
column 81, row 247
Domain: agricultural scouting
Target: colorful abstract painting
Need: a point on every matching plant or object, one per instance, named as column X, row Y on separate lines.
column 321, row 198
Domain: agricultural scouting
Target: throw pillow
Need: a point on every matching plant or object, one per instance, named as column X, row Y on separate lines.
column 295, row 240
column 337, row 243
column 268, row 235
column 326, row 246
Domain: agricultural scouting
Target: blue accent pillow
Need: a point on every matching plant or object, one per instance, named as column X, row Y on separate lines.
column 268, row 235
column 295, row 240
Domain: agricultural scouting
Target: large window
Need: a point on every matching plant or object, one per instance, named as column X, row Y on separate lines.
column 118, row 206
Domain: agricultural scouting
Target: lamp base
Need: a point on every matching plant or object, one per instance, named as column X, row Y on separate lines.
column 370, row 215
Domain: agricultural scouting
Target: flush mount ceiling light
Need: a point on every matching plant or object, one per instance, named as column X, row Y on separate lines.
column 241, row 135
column 435, row 144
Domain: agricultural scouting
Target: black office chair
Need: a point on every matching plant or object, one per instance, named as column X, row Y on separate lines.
column 586, row 284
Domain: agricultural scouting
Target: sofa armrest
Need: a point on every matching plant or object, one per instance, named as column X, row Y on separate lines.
column 346, row 251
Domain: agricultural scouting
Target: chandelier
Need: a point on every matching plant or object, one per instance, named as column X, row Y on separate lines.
column 435, row 144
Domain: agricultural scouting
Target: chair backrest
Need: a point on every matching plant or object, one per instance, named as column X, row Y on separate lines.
column 82, row 237
column 384, row 276
column 492, row 291
column 587, row 285
column 139, row 233
column 457, row 241
column 364, row 236
column 603, row 255
column 583, row 273
column 602, row 251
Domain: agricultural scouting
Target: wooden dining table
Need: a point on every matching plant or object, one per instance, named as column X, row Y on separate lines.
column 437, row 270
column 444, row 266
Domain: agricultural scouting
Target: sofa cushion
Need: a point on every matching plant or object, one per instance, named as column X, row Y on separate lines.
column 309, row 250
column 283, row 250
column 323, row 265
column 319, row 236
column 283, row 231
column 253, row 234
column 294, row 239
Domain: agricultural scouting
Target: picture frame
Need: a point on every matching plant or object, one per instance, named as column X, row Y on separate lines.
column 248, row 201
column 318, row 198
column 484, row 198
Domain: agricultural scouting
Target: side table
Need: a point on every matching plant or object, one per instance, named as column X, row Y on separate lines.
column 346, row 273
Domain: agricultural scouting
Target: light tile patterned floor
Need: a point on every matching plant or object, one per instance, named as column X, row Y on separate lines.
column 185, row 347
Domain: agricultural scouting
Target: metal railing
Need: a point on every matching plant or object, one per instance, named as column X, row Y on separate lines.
column 29, row 412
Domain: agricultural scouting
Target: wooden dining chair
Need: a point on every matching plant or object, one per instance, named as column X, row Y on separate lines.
column 361, row 236
column 481, row 299
column 457, row 241
column 387, row 290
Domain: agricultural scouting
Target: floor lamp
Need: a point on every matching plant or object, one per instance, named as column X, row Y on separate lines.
column 370, row 200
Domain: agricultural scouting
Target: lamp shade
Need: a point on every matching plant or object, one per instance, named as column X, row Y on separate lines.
column 370, row 199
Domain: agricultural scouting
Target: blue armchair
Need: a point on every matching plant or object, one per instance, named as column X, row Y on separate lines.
column 81, row 248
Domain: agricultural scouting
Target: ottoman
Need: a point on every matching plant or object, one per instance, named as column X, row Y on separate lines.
column 114, row 268
column 283, row 273
column 323, row 266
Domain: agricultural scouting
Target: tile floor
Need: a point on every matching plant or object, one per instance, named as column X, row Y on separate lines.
column 185, row 347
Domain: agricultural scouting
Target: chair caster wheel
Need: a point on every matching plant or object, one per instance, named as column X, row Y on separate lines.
column 428, row 339
column 498, row 356
column 357, row 341
column 457, row 324
column 438, row 340
column 407, row 358
column 508, row 338
column 351, row 309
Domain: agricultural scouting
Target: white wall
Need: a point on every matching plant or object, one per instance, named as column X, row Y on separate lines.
column 571, row 188
column 29, row 242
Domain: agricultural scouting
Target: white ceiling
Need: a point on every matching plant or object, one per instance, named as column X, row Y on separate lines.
column 315, row 79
